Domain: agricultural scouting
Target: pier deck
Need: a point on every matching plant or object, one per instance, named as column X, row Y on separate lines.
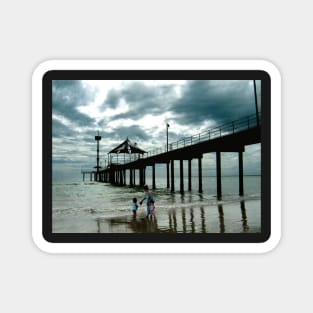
column 229, row 137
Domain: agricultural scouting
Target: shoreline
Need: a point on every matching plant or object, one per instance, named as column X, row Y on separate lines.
column 243, row 216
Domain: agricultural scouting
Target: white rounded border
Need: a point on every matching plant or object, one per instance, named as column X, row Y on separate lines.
column 198, row 248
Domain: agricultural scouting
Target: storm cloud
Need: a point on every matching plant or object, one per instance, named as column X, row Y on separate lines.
column 68, row 96
column 139, row 110
column 217, row 101
column 141, row 100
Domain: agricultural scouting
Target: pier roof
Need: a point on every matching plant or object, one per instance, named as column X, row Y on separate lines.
column 127, row 147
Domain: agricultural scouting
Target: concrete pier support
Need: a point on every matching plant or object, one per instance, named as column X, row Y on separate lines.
column 141, row 177
column 131, row 177
column 172, row 176
column 124, row 177
column 112, row 178
column 189, row 175
column 240, row 159
column 181, row 168
column 218, row 175
column 200, row 174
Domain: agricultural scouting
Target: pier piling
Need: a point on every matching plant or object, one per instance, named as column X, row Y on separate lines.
column 189, row 175
column 172, row 176
column 181, row 165
column 131, row 177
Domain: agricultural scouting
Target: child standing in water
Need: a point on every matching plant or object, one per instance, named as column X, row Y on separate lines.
column 152, row 209
column 134, row 207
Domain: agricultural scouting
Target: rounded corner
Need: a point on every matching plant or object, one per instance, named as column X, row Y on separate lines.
column 271, row 243
column 41, row 243
column 43, row 68
column 270, row 68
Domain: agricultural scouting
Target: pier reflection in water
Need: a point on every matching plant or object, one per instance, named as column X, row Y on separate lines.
column 221, row 218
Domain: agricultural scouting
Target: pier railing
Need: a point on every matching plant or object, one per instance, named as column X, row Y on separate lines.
column 212, row 133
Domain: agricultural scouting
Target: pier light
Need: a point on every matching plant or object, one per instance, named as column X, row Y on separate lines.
column 167, row 164
column 97, row 138
column 167, row 126
column 256, row 104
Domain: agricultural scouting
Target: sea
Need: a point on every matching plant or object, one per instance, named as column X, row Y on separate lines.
column 95, row 207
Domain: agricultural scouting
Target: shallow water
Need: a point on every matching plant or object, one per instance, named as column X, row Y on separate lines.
column 92, row 207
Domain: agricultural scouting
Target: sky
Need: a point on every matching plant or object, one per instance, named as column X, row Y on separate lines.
column 139, row 110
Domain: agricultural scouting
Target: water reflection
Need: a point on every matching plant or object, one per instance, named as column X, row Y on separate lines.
column 192, row 222
column 172, row 221
column 244, row 216
column 221, row 218
column 183, row 215
column 128, row 224
column 98, row 226
column 203, row 226
column 187, row 219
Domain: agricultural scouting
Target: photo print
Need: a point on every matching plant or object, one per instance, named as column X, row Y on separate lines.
column 156, row 156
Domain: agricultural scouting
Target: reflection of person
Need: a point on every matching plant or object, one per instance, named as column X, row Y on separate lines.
column 134, row 207
column 148, row 197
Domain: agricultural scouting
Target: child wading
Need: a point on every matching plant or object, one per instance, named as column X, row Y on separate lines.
column 148, row 197
column 134, row 207
column 152, row 209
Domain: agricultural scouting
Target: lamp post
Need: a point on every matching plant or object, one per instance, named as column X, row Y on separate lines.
column 97, row 138
column 167, row 164
column 256, row 104
column 167, row 126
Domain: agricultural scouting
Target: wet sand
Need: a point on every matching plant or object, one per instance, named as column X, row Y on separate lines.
column 239, row 217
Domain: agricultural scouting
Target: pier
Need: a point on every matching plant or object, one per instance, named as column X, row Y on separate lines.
column 229, row 137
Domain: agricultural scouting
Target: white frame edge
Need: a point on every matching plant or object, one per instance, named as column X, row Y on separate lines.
column 197, row 248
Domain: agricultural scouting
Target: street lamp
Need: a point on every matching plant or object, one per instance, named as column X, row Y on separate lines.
column 167, row 126
column 256, row 104
column 167, row 163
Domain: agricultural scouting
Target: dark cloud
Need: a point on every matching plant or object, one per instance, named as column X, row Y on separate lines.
column 201, row 100
column 141, row 99
column 218, row 101
column 113, row 99
column 59, row 130
column 134, row 133
column 67, row 96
